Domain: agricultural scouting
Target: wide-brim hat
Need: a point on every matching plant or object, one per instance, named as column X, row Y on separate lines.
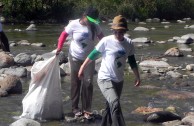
column 119, row 23
column 1, row 4
column 92, row 14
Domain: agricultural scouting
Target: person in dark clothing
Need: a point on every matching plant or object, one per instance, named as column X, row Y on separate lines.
column 4, row 43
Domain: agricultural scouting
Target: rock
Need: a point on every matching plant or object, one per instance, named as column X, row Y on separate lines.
column 174, row 74
column 23, row 59
column 149, row 20
column 190, row 67
column 11, row 84
column 3, row 93
column 24, row 42
column 38, row 44
column 181, row 22
column 141, row 29
column 165, row 22
column 154, row 64
column 191, row 26
column 185, row 41
column 173, row 52
column 161, row 116
column 141, row 40
column 31, row 27
column 146, row 110
column 18, row 71
column 156, row 20
column 188, row 120
column 66, row 68
column 171, row 109
column 25, row 122
column 173, row 123
column 6, row 60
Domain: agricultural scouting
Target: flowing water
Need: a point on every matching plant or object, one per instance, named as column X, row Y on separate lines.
column 132, row 97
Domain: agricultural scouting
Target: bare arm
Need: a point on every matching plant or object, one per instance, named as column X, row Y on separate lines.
column 137, row 77
column 83, row 66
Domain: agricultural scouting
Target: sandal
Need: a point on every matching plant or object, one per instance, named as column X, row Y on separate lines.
column 77, row 113
column 87, row 115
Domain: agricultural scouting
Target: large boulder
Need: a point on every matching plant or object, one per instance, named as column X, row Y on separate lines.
column 188, row 120
column 3, row 93
column 15, row 71
column 6, row 60
column 10, row 84
column 25, row 122
column 23, row 59
column 186, row 39
column 161, row 116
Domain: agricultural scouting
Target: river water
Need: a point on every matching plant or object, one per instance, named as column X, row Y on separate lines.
column 132, row 97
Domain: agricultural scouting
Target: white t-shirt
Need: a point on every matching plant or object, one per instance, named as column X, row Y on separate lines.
column 114, row 55
column 82, row 43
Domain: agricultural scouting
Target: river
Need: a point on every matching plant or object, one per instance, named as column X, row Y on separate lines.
column 132, row 97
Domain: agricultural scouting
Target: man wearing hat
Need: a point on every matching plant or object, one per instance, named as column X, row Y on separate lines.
column 84, row 31
column 114, row 49
column 4, row 43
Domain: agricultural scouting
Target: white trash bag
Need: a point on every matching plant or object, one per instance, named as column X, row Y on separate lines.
column 44, row 98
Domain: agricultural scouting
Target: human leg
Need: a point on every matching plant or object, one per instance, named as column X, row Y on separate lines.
column 87, row 88
column 117, row 116
column 75, row 83
column 112, row 95
column 4, row 42
column 106, row 116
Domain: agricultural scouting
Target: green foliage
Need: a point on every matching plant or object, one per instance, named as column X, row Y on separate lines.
column 175, row 9
column 63, row 10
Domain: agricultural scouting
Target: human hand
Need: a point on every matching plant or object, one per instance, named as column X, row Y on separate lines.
column 58, row 51
column 137, row 82
column 80, row 73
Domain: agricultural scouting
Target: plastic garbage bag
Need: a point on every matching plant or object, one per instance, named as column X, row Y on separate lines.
column 44, row 98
